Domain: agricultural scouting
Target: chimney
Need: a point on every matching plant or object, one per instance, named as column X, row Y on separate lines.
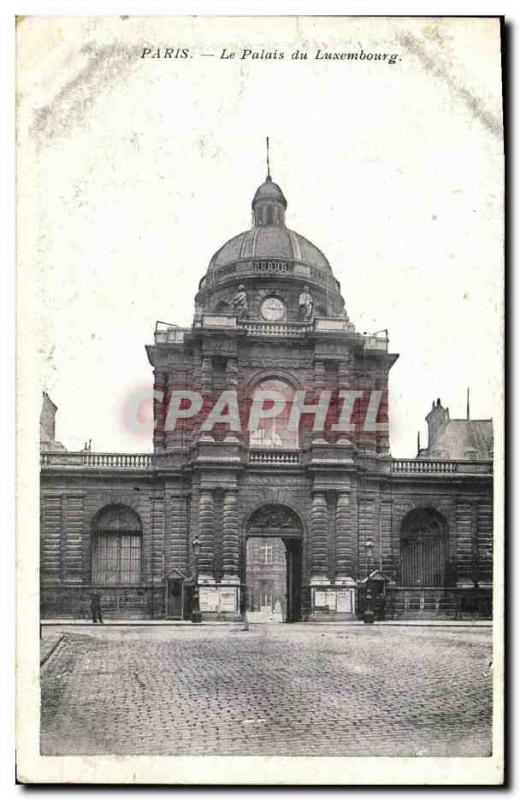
column 437, row 417
column 47, row 420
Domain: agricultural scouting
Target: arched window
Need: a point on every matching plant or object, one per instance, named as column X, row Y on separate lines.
column 273, row 432
column 423, row 549
column 116, row 547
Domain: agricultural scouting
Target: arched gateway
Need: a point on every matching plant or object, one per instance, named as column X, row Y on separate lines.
column 269, row 526
column 424, row 548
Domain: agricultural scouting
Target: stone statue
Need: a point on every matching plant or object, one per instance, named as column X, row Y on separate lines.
column 239, row 302
column 305, row 305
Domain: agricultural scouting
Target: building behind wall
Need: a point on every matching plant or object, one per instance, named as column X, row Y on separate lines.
column 266, row 579
column 269, row 315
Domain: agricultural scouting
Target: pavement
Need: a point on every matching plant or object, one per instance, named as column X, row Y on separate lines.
column 48, row 645
column 324, row 690
column 253, row 620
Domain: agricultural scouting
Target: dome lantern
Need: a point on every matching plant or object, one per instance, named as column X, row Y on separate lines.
column 269, row 203
column 270, row 262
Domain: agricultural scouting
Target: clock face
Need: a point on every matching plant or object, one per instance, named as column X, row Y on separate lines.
column 272, row 309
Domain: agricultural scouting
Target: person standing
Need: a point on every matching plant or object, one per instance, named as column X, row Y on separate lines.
column 95, row 605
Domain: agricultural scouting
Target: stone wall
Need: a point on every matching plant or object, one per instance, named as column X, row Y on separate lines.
column 339, row 511
column 69, row 505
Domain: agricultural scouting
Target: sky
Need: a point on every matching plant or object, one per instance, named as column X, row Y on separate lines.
column 133, row 172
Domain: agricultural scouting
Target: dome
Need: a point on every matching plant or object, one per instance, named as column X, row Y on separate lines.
column 269, row 241
column 269, row 191
column 269, row 257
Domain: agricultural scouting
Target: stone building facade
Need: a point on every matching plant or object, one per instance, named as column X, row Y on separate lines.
column 269, row 321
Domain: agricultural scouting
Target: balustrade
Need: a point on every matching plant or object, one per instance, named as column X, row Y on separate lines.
column 278, row 458
column 275, row 457
column 440, row 467
column 276, row 328
column 97, row 460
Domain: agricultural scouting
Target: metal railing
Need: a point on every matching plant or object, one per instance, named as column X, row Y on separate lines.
column 166, row 332
column 376, row 342
column 454, row 602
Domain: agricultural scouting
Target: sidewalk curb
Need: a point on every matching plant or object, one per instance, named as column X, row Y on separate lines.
column 446, row 624
column 137, row 623
column 230, row 624
column 52, row 650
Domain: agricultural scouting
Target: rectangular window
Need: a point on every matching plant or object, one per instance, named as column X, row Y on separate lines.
column 267, row 554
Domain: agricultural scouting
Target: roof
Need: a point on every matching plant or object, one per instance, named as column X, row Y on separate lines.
column 270, row 241
column 460, row 439
column 47, row 401
column 376, row 575
column 47, row 425
column 269, row 191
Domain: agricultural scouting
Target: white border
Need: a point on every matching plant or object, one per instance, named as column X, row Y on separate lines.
column 225, row 770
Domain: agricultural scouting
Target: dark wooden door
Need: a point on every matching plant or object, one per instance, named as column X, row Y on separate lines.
column 294, row 580
column 175, row 598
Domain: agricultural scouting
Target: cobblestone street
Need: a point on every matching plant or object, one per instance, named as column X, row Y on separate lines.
column 274, row 690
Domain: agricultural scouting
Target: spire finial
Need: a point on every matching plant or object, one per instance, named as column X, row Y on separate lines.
column 467, row 404
column 268, row 165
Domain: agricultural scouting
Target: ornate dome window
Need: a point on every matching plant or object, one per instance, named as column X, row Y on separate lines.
column 272, row 432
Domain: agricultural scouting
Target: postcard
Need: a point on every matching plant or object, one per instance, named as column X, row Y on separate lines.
column 260, row 400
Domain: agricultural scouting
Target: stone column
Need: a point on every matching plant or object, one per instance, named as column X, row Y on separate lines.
column 206, row 531
column 159, row 408
column 178, row 534
column 344, row 540
column 345, row 383
column 73, row 514
column 196, row 373
column 485, row 542
column 207, row 373
column 231, row 373
column 319, row 376
column 365, row 440
column 383, row 437
column 344, row 374
column 230, row 538
column 319, row 530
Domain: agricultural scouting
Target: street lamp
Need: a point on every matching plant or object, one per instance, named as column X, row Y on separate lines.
column 196, row 616
column 369, row 612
